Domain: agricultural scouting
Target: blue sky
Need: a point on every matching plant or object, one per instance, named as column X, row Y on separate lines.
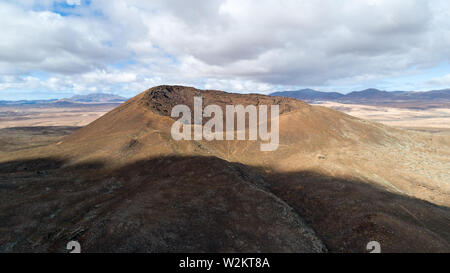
column 54, row 49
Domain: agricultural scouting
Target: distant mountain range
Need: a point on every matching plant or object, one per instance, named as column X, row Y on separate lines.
column 369, row 96
column 97, row 98
column 435, row 98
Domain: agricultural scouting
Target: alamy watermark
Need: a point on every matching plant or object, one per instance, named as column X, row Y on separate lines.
column 74, row 247
column 213, row 129
column 374, row 247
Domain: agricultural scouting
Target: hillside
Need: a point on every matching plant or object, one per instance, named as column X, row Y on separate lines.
column 123, row 184
column 373, row 96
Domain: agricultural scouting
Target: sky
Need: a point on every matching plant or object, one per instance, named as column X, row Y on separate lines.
column 54, row 49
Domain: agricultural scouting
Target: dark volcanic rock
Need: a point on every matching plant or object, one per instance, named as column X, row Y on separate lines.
column 163, row 98
column 160, row 205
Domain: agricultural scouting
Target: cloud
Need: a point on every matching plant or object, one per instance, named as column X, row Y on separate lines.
column 73, row 2
column 440, row 82
column 301, row 42
column 234, row 45
column 49, row 42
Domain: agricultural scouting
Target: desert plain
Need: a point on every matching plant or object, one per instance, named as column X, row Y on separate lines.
column 413, row 117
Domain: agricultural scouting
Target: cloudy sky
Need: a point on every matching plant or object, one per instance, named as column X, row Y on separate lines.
column 52, row 49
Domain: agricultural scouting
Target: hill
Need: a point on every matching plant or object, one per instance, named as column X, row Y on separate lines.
column 97, row 98
column 123, row 184
column 77, row 100
column 375, row 97
column 309, row 95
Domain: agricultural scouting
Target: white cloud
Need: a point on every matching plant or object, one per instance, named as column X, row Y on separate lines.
column 114, row 77
column 233, row 45
column 440, row 82
column 49, row 42
column 73, row 2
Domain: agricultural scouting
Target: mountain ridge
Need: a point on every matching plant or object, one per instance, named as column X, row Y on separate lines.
column 93, row 98
column 370, row 95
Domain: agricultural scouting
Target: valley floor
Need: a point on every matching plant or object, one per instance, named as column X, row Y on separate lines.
column 51, row 116
column 431, row 120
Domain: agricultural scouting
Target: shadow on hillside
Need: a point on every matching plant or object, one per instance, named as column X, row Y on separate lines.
column 204, row 204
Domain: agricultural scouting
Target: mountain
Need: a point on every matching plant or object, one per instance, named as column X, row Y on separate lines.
column 123, row 184
column 371, row 96
column 432, row 95
column 25, row 102
column 309, row 95
column 97, row 98
column 77, row 100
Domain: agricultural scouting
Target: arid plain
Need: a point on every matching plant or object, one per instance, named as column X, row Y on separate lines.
column 414, row 117
column 432, row 120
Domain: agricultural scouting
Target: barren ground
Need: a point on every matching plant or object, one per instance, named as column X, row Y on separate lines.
column 54, row 116
column 122, row 184
column 432, row 120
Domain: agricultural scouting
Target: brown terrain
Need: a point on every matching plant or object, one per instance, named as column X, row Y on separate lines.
column 13, row 116
column 122, row 184
column 435, row 120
